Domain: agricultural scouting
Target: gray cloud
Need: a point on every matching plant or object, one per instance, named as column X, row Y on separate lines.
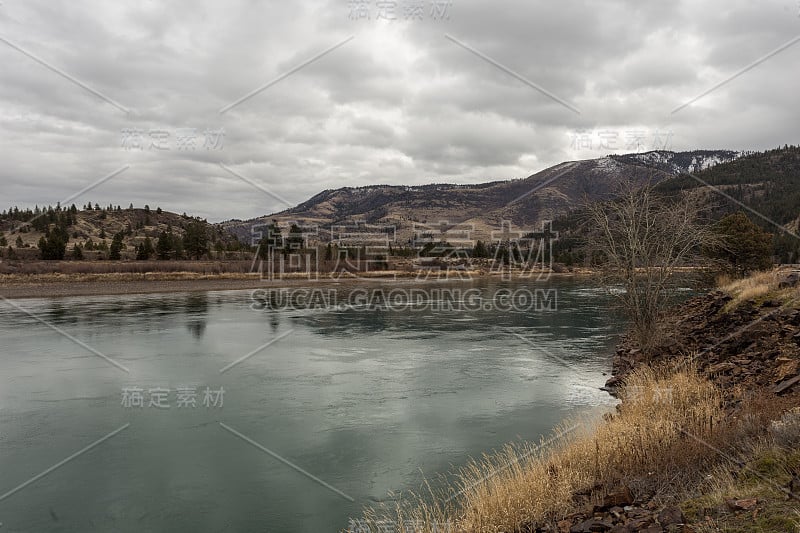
column 400, row 103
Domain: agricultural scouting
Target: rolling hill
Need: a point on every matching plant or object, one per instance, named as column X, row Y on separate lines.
column 96, row 225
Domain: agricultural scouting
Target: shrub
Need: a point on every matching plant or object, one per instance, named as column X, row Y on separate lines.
column 744, row 247
column 116, row 247
column 145, row 250
column 53, row 244
column 77, row 252
column 786, row 431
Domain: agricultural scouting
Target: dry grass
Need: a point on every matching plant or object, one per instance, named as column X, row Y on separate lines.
column 757, row 284
column 525, row 485
column 721, row 280
column 786, row 430
column 758, row 287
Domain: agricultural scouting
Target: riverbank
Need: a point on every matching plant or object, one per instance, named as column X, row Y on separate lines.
column 109, row 284
column 55, row 284
column 706, row 437
column 744, row 337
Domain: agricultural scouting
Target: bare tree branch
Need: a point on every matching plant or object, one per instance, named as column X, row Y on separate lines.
column 642, row 240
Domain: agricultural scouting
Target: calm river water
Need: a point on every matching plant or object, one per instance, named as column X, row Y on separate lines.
column 325, row 405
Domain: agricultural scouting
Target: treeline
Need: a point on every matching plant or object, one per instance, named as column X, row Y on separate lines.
column 195, row 240
column 767, row 182
column 40, row 218
column 743, row 246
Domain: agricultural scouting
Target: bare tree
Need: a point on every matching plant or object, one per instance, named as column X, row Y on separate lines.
column 642, row 240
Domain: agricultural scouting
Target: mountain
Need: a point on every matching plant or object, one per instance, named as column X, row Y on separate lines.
column 526, row 203
column 765, row 185
column 767, row 182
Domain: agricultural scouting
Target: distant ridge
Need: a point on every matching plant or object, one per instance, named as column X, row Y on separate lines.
column 546, row 195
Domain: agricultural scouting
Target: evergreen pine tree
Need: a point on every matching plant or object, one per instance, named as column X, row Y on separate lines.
column 116, row 247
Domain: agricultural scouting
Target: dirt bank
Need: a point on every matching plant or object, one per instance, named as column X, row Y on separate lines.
column 15, row 286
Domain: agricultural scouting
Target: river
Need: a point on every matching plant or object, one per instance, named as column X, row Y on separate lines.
column 210, row 412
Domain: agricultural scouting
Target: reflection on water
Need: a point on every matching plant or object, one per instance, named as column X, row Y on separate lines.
column 196, row 309
column 362, row 399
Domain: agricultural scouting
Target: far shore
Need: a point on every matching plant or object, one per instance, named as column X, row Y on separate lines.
column 53, row 285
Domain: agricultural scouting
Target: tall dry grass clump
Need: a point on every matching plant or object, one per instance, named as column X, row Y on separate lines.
column 753, row 286
column 758, row 286
column 659, row 429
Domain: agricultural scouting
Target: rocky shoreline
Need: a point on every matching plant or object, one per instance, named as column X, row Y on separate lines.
column 750, row 350
column 753, row 348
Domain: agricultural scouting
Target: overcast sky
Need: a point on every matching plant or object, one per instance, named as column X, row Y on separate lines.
column 460, row 91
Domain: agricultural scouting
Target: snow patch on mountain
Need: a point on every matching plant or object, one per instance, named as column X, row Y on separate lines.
column 683, row 162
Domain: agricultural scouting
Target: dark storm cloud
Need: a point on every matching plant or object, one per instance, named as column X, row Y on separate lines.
column 399, row 103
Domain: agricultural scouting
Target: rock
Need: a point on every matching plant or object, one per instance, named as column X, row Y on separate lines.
column 785, row 385
column 720, row 368
column 639, row 523
column 590, row 526
column 790, row 280
column 592, row 509
column 793, row 487
column 670, row 515
column 786, row 368
column 619, row 498
column 564, row 526
column 741, row 505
